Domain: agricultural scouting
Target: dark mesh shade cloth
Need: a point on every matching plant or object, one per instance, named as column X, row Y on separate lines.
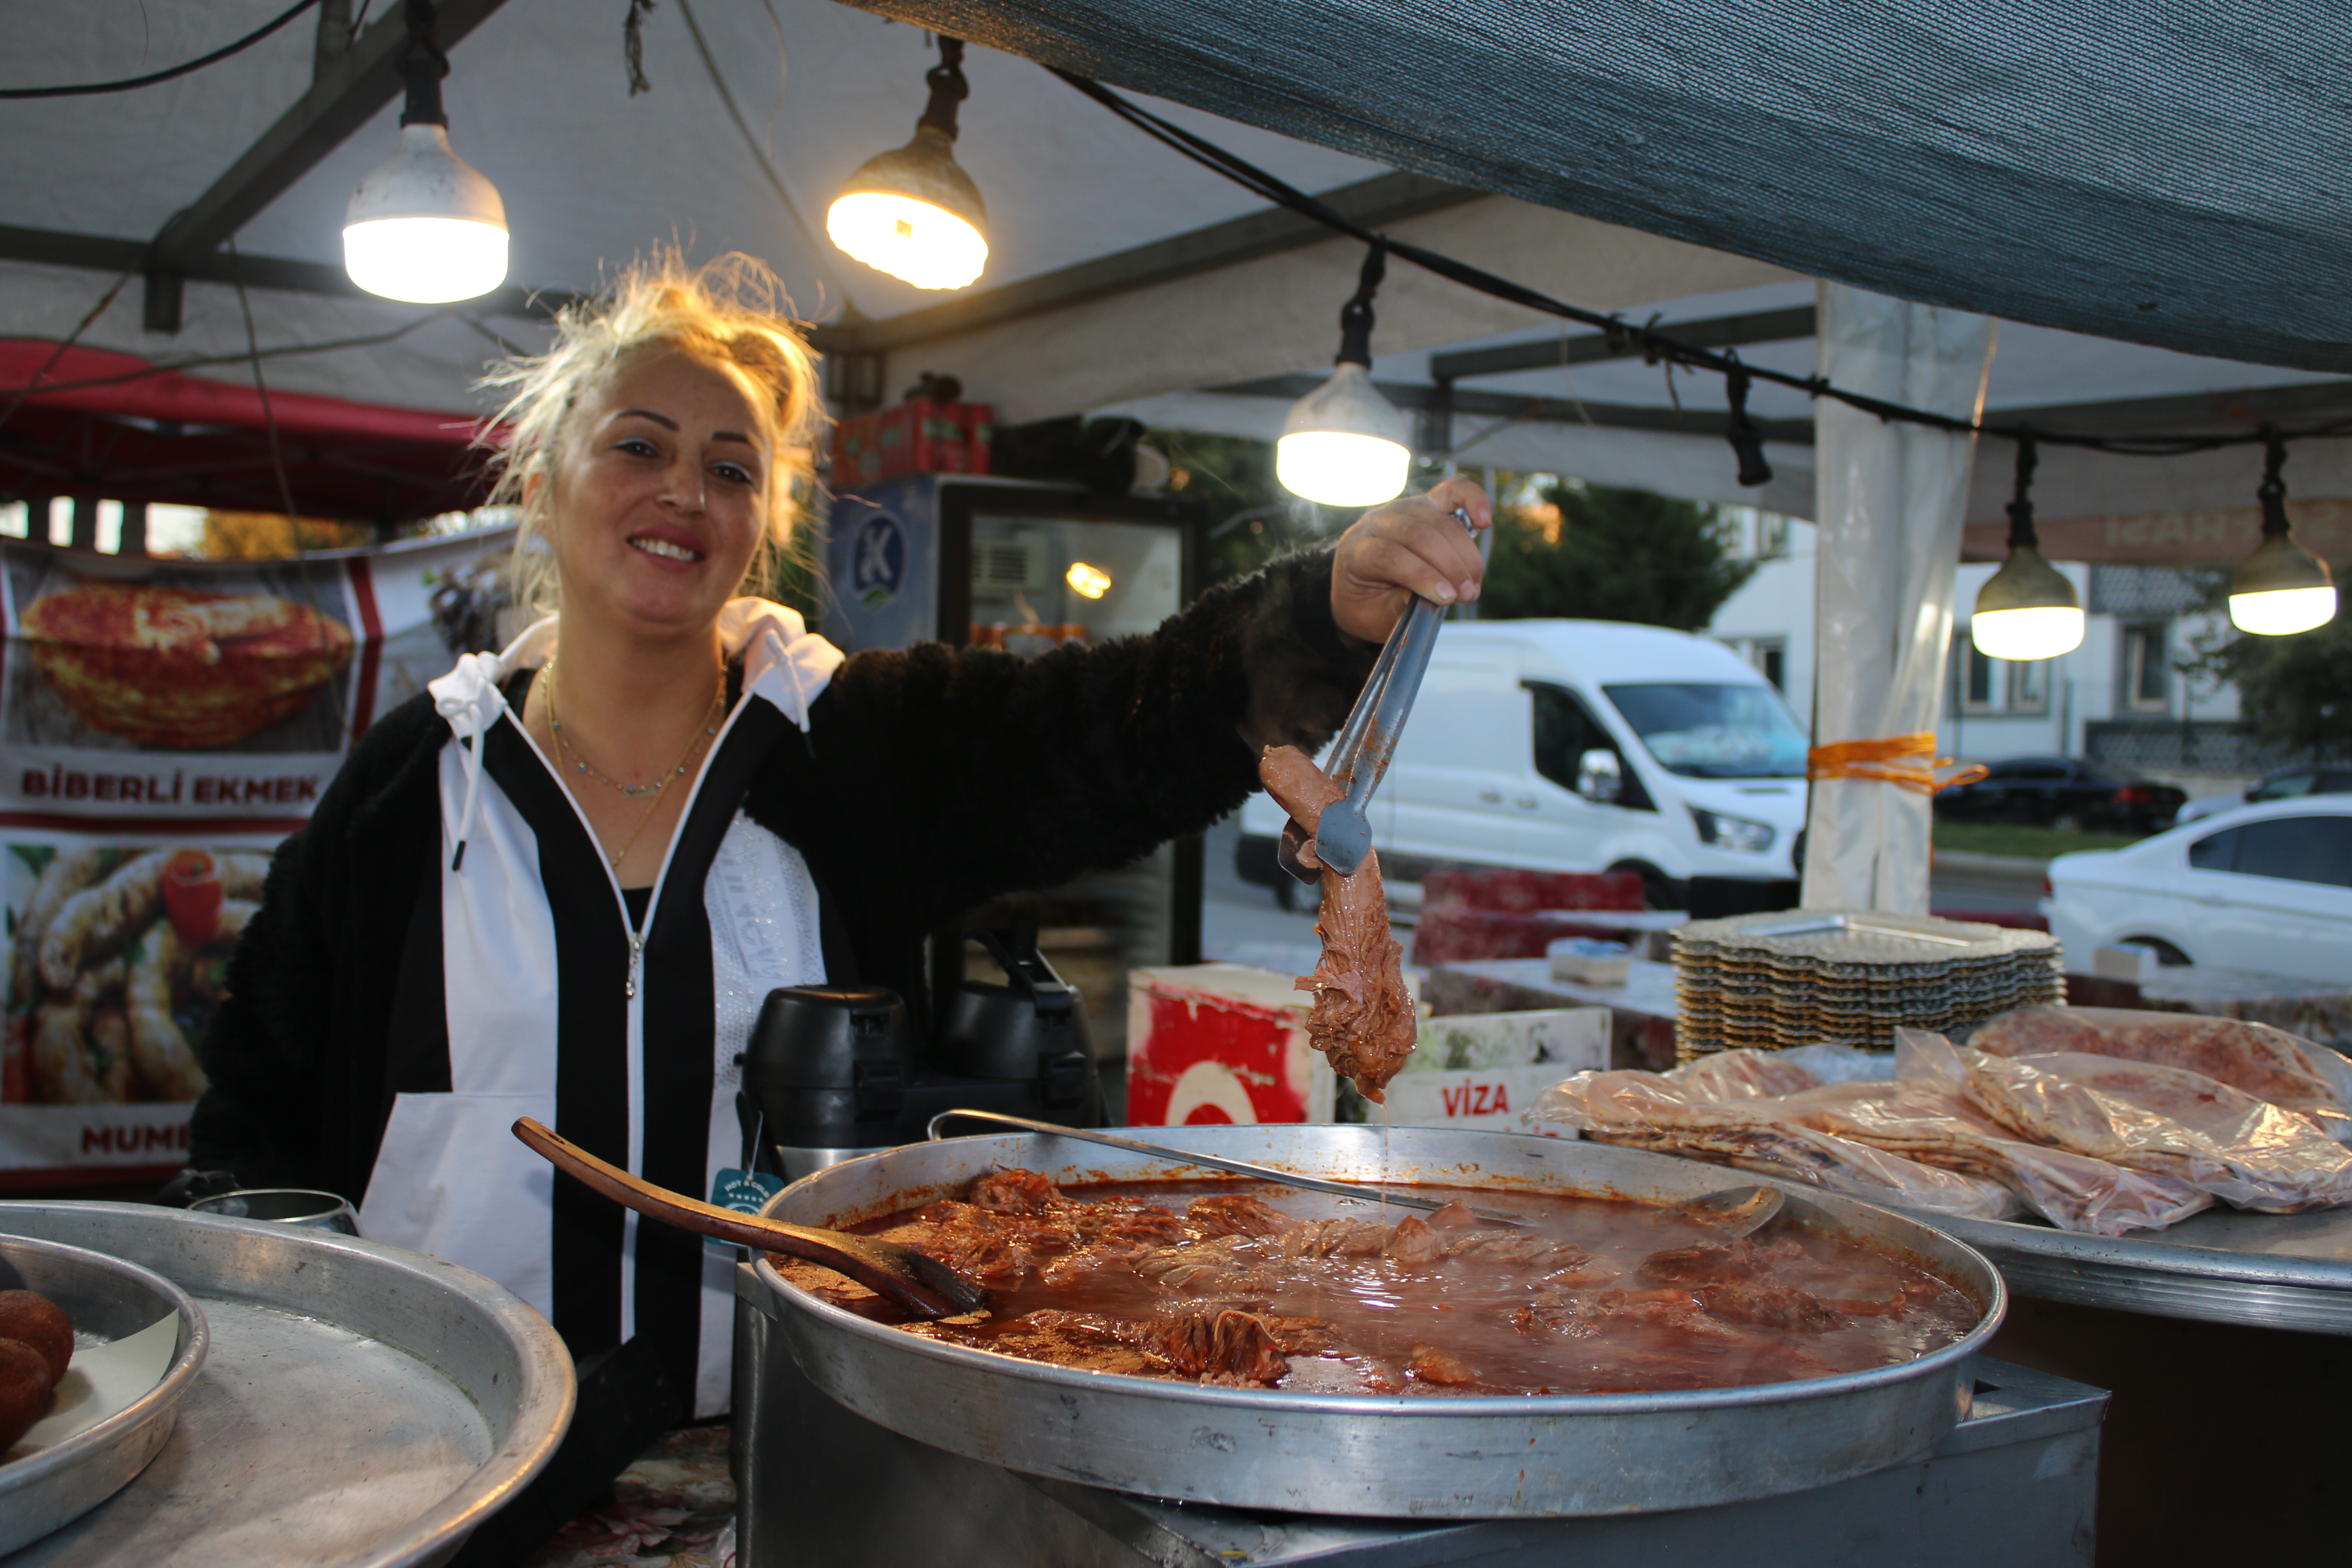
column 2170, row 173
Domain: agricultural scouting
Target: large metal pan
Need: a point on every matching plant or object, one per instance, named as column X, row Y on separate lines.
column 1388, row 1456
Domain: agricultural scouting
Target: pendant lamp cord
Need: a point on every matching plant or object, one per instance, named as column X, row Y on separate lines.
column 422, row 66
column 948, row 86
column 2272, row 493
column 1355, row 315
column 2022, row 534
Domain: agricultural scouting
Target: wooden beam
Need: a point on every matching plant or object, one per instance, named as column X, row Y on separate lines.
column 1381, row 200
column 1718, row 332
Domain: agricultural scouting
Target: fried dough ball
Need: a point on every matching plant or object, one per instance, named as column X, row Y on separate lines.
column 24, row 1388
column 33, row 1318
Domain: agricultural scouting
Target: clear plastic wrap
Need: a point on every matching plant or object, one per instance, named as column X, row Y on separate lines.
column 2268, row 1063
column 1757, row 1075
column 1650, row 1110
column 2165, row 1122
column 1921, row 1116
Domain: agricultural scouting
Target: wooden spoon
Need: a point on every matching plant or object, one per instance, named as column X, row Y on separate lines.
column 923, row 1285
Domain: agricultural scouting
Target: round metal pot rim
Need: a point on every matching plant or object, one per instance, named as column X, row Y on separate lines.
column 1995, row 1307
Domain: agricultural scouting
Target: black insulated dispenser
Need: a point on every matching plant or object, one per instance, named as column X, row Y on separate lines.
column 1029, row 1035
column 833, row 1071
column 826, row 1073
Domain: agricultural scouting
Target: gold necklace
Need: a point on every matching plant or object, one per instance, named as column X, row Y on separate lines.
column 634, row 792
column 555, row 725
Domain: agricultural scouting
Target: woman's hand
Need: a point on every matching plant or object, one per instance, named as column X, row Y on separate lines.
column 1412, row 545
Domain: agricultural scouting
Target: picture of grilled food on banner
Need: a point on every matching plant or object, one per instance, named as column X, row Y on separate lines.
column 119, row 957
column 245, row 662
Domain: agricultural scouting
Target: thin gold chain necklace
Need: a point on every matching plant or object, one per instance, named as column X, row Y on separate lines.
column 654, row 789
column 634, row 792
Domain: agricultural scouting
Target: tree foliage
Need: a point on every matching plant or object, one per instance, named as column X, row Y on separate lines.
column 2294, row 691
column 1595, row 552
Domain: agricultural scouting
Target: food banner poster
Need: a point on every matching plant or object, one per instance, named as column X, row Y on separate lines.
column 165, row 725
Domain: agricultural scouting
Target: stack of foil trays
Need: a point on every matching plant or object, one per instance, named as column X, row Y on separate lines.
column 1772, row 982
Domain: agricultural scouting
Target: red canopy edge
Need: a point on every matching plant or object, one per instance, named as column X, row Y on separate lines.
column 174, row 396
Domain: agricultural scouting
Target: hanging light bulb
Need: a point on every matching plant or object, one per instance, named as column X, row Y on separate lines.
column 912, row 212
column 425, row 226
column 2282, row 588
column 2027, row 610
column 1343, row 443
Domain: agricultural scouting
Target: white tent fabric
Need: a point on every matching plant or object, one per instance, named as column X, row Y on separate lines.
column 1893, row 497
column 1273, row 315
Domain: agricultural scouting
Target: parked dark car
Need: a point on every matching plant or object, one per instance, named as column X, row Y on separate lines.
column 2063, row 793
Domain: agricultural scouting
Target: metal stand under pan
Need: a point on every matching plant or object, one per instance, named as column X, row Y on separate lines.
column 2014, row 1483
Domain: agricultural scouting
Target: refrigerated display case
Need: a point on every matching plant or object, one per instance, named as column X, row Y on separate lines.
column 1027, row 566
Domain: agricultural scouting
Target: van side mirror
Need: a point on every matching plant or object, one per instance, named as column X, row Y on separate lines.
column 1598, row 776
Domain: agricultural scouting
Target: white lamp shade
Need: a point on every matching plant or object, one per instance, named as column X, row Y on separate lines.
column 1344, row 444
column 425, row 226
column 2283, row 612
column 913, row 212
column 908, row 237
column 2040, row 632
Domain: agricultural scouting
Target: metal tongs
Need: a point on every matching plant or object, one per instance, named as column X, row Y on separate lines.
column 1360, row 754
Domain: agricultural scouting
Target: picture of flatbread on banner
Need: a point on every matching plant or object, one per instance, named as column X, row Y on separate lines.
column 119, row 958
column 187, row 669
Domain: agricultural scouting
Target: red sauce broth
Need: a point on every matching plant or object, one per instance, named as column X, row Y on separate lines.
column 1604, row 1324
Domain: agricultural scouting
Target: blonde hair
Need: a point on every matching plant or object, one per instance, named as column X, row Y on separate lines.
column 731, row 312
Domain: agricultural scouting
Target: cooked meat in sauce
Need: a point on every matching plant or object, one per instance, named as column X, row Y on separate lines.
column 1211, row 1282
column 1362, row 1019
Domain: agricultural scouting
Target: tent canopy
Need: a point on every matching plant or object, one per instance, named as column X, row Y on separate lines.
column 2059, row 168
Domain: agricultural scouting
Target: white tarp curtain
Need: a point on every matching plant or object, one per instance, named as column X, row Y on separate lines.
column 1893, row 497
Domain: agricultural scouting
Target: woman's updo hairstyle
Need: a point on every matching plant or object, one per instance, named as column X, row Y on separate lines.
column 731, row 312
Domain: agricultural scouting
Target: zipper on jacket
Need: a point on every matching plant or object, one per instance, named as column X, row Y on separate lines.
column 637, row 951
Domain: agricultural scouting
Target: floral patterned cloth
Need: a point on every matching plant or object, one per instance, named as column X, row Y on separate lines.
column 674, row 1508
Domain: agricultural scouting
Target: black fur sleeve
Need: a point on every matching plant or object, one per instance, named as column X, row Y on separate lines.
column 968, row 773
column 294, row 1052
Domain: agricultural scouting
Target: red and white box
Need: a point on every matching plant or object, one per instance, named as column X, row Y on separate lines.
column 1214, row 1043
column 1226, row 1043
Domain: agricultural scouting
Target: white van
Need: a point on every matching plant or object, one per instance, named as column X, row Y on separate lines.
column 1581, row 746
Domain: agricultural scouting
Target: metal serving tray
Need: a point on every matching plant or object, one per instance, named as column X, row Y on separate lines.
column 2265, row 1270
column 1383, row 1457
column 107, row 1300
column 361, row 1405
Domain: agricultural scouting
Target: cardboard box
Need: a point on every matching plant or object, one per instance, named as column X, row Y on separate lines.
column 1225, row 1042
column 1210, row 1042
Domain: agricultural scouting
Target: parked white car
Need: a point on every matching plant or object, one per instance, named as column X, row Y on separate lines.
column 1582, row 746
column 2286, row 783
column 2265, row 887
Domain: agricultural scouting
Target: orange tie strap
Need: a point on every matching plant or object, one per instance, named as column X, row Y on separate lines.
column 1907, row 761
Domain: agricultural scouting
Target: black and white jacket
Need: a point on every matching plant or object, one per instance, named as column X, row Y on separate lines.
column 394, row 1005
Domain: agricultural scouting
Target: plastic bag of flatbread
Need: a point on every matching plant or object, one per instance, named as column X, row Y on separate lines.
column 2268, row 1063
column 1650, row 1110
column 2162, row 1120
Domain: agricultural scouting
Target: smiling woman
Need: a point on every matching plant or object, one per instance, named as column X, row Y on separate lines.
column 562, row 883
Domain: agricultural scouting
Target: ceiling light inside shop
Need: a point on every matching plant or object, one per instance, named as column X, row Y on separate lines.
column 1087, row 582
column 2027, row 610
column 912, row 212
column 1344, row 444
column 425, row 226
column 2282, row 588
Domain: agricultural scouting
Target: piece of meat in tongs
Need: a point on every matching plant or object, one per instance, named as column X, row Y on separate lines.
column 1362, row 1019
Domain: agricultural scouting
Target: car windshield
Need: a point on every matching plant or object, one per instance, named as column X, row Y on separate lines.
column 1714, row 729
